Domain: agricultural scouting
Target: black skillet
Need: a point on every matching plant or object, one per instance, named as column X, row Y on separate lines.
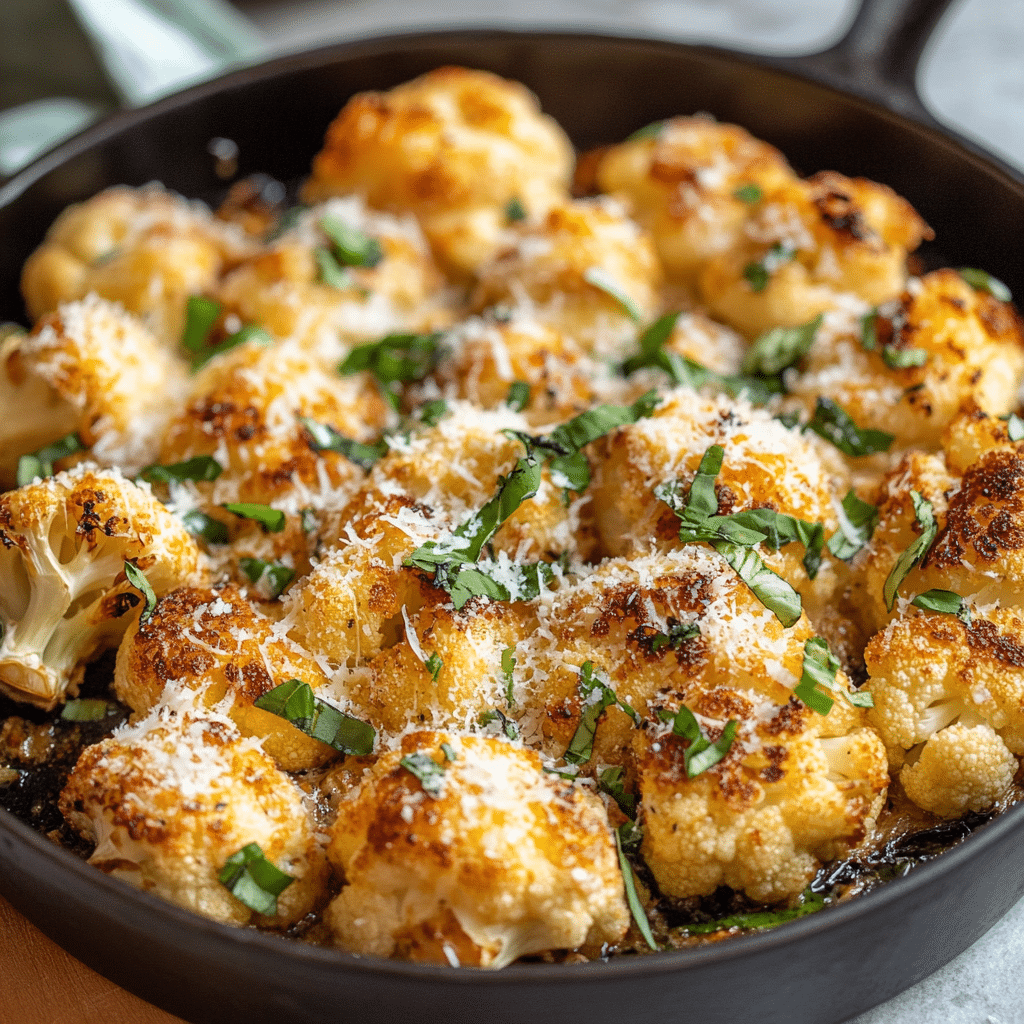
column 853, row 108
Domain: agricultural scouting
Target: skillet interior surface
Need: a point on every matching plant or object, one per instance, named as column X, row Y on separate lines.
column 822, row 968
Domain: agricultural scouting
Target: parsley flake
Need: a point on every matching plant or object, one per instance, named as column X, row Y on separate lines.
column 254, row 880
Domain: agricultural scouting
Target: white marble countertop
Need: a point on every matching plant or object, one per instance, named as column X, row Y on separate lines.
column 972, row 78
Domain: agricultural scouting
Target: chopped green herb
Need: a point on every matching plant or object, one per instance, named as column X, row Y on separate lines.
column 199, row 468
column 810, row 902
column 251, row 332
column 790, row 420
column 508, row 667
column 508, row 727
column 271, row 519
column 944, row 601
column 309, row 520
column 777, row 530
column 597, row 695
column 137, row 578
column 331, row 272
column 324, row 438
column 856, row 525
column 635, row 906
column 768, row 587
column 296, row 702
column 820, row 666
column 430, row 413
column 781, row 347
column 982, row 281
column 270, row 577
column 514, row 210
column 395, row 360
column 254, row 880
column 349, row 246
column 40, row 463
column 860, row 698
column 518, row 396
column 903, row 358
column 427, row 770
column 700, row 753
column 1015, row 428
column 86, row 710
column 288, row 220
column 649, row 131
column 836, row 426
column 201, row 314
column 749, row 194
column 205, row 527
column 603, row 281
column 610, row 781
column 915, row 552
column 449, row 752
column 759, row 273
column 869, row 331
column 678, row 634
column 433, row 665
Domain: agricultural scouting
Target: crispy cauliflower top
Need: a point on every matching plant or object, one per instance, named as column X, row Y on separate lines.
column 486, row 861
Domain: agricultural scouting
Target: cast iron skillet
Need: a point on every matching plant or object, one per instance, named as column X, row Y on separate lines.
column 853, row 109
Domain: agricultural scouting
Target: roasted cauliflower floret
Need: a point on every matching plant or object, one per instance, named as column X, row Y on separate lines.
column 296, row 286
column 949, row 704
column 169, row 800
column 487, row 860
column 456, row 147
column 216, row 643
column 807, row 243
column 145, row 248
column 65, row 596
column 694, row 184
column 940, row 347
column 587, row 270
column 93, row 369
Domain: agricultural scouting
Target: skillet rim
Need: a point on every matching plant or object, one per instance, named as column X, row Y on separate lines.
column 174, row 919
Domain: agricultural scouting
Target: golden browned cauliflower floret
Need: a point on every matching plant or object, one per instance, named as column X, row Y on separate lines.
column 808, row 242
column 486, row 860
column 65, row 596
column 215, row 642
column 765, row 465
column 694, row 184
column 949, row 705
column 145, row 248
column 969, row 348
column 93, row 369
column 170, row 799
column 456, row 147
column 297, row 287
column 587, row 270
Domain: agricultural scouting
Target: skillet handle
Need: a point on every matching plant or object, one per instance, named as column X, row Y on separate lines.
column 879, row 55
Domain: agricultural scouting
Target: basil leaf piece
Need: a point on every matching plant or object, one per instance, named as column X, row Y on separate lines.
column 700, row 753
column 295, row 701
column 433, row 665
column 270, row 577
column 518, row 396
column 856, row 526
column 649, row 131
column 597, row 695
column 759, row 273
column 87, row 709
column 779, row 529
column 701, row 502
column 944, row 601
column 350, row 246
column 325, row 438
column 431, row 413
column 836, row 426
column 603, row 281
column 331, row 272
column 915, row 552
column 749, row 193
column 271, row 519
column 903, row 358
column 769, row 588
column 205, row 527
column 449, row 752
column 394, row 360
column 1015, row 427
column 810, row 903
column 781, row 347
column 427, row 770
column 508, row 666
column 678, row 634
column 508, row 727
column 201, row 468
column 201, row 314
column 636, row 908
column 820, row 666
column 869, row 331
column 860, row 698
column 137, row 578
column 982, row 281
column 514, row 210
column 254, row 880
column 251, row 332
column 40, row 463
column 610, row 781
